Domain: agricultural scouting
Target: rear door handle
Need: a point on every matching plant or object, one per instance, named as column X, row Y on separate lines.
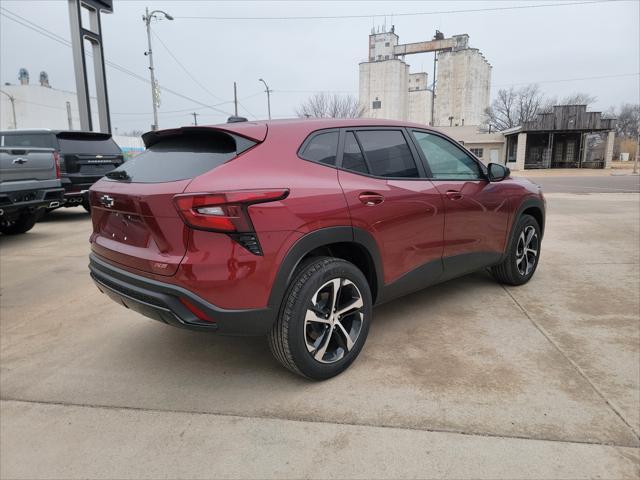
column 370, row 198
column 454, row 194
column 20, row 161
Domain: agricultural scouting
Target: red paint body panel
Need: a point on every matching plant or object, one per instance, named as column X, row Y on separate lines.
column 407, row 226
column 477, row 214
column 416, row 223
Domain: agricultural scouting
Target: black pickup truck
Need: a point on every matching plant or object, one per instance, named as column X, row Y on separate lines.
column 85, row 157
column 29, row 185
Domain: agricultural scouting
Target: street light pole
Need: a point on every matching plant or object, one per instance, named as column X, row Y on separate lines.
column 268, row 97
column 12, row 99
column 147, row 20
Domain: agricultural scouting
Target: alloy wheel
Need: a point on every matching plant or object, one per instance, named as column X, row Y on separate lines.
column 334, row 320
column 527, row 250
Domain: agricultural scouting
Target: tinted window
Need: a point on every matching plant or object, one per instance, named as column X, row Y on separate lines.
column 445, row 159
column 34, row 140
column 89, row 147
column 179, row 158
column 322, row 148
column 387, row 153
column 352, row 158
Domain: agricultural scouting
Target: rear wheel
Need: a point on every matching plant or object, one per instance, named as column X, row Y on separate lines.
column 22, row 224
column 522, row 257
column 324, row 319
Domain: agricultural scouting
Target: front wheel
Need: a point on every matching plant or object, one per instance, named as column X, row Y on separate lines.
column 324, row 319
column 522, row 257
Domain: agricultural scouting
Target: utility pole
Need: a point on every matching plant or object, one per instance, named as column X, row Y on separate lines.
column 69, row 116
column 154, row 90
column 268, row 97
column 635, row 161
column 195, row 119
column 433, row 93
column 12, row 99
column 235, row 99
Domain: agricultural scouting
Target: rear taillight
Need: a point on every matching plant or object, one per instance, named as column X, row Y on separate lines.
column 223, row 212
column 56, row 159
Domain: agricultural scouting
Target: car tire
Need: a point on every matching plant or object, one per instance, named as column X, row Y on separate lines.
column 23, row 224
column 86, row 205
column 308, row 338
column 523, row 254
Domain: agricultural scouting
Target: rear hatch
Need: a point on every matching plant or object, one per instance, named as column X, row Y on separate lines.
column 135, row 221
column 27, row 164
column 88, row 154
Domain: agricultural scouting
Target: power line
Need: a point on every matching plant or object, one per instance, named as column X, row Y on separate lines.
column 575, row 79
column 47, row 33
column 182, row 110
column 246, row 109
column 184, row 69
column 409, row 14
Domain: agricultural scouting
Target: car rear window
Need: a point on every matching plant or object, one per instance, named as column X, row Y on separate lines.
column 87, row 146
column 33, row 140
column 181, row 157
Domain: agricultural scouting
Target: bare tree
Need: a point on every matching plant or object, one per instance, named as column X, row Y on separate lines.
column 514, row 107
column 628, row 120
column 325, row 105
column 578, row 98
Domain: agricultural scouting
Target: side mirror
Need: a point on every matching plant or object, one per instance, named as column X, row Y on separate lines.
column 497, row 172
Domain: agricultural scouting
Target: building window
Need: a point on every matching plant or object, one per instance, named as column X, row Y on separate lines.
column 376, row 104
column 386, row 44
column 478, row 152
column 386, row 57
column 417, row 80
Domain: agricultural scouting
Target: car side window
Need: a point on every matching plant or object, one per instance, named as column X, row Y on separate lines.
column 387, row 154
column 352, row 158
column 445, row 159
column 322, row 148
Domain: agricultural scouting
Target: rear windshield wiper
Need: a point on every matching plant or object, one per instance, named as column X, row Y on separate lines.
column 118, row 175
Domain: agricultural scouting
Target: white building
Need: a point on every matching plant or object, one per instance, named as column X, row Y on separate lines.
column 463, row 88
column 39, row 106
column 27, row 106
column 388, row 90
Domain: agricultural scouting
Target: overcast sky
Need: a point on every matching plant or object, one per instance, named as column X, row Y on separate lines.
column 552, row 46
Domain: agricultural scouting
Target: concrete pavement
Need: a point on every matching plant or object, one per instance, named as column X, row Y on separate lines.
column 467, row 379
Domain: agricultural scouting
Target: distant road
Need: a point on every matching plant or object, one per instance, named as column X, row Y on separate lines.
column 599, row 184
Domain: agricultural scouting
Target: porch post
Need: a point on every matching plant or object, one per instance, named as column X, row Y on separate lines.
column 608, row 151
column 520, row 152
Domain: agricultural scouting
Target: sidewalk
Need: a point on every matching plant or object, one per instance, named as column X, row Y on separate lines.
column 618, row 168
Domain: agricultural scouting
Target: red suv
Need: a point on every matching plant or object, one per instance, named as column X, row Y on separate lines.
column 297, row 228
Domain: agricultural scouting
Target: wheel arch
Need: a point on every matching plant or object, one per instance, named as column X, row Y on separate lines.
column 352, row 244
column 530, row 206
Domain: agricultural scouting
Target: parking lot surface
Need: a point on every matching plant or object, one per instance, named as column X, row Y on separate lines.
column 467, row 379
column 611, row 183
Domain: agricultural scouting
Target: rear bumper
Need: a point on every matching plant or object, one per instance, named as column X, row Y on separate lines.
column 161, row 301
column 15, row 203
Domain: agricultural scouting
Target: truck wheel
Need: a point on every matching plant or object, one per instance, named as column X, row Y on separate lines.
column 23, row 224
column 324, row 319
column 522, row 257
